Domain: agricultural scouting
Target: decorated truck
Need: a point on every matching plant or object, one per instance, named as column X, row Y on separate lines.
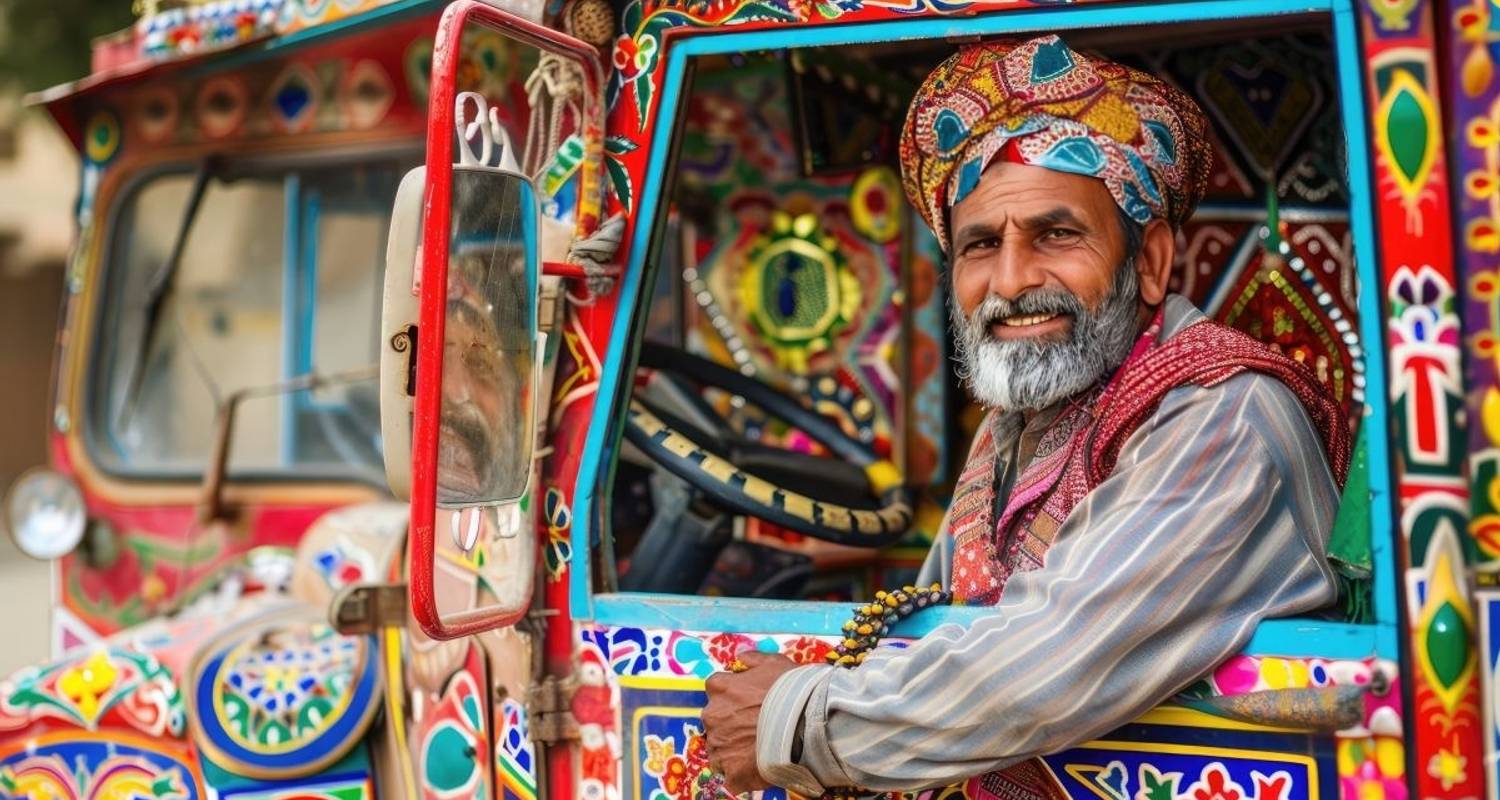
column 446, row 390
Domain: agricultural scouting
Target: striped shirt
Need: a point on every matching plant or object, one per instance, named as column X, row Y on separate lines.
column 1216, row 517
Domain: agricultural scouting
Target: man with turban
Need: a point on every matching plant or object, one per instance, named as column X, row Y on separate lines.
column 1147, row 486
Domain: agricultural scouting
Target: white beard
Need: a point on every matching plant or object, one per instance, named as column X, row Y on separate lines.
column 1031, row 374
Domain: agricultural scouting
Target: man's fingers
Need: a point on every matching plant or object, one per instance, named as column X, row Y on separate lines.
column 715, row 682
column 738, row 782
column 755, row 658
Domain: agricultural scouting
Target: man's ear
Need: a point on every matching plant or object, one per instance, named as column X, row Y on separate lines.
column 1154, row 265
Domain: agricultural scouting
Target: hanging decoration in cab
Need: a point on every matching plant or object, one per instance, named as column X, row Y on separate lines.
column 797, row 290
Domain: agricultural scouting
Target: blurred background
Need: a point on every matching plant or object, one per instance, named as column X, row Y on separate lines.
column 42, row 43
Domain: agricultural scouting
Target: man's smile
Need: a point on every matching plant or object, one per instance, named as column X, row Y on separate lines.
column 1026, row 326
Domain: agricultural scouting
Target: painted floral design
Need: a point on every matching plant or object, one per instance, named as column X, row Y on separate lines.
column 87, row 682
column 287, row 687
column 1216, row 785
column 637, row 651
column 119, row 777
column 681, row 775
column 1370, row 759
column 110, row 687
column 637, row 52
column 1164, row 779
column 342, row 564
column 559, row 523
column 96, row 768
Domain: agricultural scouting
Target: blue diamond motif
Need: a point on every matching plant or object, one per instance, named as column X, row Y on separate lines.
column 292, row 98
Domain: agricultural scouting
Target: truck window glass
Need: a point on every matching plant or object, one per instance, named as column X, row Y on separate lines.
column 279, row 276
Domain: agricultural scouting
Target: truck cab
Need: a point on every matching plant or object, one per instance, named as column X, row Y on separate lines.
column 447, row 390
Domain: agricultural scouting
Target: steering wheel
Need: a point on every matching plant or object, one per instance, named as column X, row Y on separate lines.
column 690, row 454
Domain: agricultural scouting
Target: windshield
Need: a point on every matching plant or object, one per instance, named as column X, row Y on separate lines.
column 280, row 275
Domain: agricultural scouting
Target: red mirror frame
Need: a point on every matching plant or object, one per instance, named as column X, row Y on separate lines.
column 426, row 403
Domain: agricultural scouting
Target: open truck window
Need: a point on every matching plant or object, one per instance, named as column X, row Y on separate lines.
column 788, row 254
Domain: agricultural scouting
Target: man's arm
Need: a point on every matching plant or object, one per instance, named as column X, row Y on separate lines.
column 1214, row 519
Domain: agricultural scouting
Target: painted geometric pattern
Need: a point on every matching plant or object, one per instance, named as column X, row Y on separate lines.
column 276, row 698
column 1446, row 679
column 515, row 757
column 283, row 699
column 1269, row 251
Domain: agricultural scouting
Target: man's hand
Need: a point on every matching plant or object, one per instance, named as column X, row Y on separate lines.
column 729, row 719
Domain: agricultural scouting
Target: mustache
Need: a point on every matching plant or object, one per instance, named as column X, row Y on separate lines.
column 468, row 424
column 1038, row 301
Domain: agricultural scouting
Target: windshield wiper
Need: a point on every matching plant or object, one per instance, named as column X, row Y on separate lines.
column 157, row 290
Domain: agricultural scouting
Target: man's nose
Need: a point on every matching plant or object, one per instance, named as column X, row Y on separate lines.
column 455, row 382
column 1014, row 272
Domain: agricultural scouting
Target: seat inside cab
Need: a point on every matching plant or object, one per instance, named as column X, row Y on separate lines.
column 791, row 257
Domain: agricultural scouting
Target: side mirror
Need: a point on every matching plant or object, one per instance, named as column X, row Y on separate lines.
column 473, row 407
column 467, row 401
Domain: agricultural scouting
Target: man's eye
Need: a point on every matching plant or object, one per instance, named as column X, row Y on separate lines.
column 1058, row 234
column 477, row 356
column 982, row 244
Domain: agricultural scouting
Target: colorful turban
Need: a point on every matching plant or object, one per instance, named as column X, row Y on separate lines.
column 1056, row 109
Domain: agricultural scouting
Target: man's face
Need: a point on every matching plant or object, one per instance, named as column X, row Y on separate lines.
column 479, row 383
column 1042, row 302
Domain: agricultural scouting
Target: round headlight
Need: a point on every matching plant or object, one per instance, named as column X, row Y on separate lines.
column 44, row 514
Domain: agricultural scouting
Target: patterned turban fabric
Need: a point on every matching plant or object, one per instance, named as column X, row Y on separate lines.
column 1040, row 103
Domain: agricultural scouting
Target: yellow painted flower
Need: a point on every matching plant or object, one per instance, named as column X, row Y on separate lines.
column 1448, row 767
column 657, row 752
column 282, row 679
column 87, row 682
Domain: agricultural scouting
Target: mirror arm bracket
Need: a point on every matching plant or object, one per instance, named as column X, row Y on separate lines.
column 364, row 608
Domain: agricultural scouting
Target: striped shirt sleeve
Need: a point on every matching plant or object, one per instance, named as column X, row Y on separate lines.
column 1215, row 518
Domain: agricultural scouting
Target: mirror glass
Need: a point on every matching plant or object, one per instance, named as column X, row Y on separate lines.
column 488, row 393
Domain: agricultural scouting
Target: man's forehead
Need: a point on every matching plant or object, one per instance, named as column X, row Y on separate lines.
column 1019, row 192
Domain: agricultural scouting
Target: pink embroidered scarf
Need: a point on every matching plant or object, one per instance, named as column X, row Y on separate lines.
column 1079, row 449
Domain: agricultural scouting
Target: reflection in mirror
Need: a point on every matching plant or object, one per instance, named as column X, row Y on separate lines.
column 478, row 551
column 485, row 436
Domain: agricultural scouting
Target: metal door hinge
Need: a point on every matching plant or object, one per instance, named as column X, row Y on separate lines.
column 550, row 712
column 364, row 608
